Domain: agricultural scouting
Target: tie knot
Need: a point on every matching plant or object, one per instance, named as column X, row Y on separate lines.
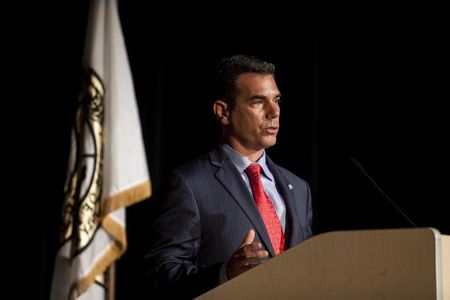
column 253, row 170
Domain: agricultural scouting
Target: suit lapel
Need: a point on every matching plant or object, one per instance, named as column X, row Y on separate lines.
column 230, row 178
column 286, row 191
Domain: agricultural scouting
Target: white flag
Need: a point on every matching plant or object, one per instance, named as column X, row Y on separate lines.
column 107, row 166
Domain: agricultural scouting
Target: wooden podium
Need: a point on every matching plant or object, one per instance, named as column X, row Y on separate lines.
column 365, row 264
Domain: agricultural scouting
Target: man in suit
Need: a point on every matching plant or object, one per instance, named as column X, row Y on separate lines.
column 210, row 224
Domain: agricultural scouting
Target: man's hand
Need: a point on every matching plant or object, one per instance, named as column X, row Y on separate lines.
column 247, row 256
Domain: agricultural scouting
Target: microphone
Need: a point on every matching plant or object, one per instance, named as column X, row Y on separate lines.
column 357, row 165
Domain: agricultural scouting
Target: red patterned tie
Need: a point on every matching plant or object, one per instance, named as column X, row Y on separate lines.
column 266, row 208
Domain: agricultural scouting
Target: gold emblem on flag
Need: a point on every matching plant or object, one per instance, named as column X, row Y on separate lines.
column 82, row 210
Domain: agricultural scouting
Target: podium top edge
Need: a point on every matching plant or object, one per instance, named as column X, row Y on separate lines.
column 436, row 233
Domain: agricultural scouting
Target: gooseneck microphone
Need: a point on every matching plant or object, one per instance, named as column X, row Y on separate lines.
column 363, row 171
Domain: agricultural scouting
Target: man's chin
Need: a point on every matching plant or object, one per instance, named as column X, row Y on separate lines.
column 269, row 142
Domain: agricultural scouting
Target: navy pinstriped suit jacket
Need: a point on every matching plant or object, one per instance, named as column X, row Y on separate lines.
column 204, row 211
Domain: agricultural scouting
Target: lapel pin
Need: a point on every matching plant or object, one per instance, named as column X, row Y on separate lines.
column 290, row 186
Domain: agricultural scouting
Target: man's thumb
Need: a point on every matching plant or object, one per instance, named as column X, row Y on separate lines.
column 249, row 237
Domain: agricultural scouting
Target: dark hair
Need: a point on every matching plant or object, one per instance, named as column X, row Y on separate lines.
column 228, row 69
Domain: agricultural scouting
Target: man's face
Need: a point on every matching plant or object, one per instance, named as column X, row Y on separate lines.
column 254, row 120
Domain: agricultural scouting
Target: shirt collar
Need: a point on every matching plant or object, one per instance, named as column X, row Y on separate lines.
column 242, row 162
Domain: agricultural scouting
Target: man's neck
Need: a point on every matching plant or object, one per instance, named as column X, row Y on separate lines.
column 251, row 154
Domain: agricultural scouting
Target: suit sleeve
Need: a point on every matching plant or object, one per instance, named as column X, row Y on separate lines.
column 309, row 210
column 172, row 260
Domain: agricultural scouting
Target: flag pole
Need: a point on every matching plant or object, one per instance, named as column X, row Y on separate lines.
column 111, row 282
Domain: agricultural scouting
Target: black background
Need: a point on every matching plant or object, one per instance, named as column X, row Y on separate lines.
column 366, row 80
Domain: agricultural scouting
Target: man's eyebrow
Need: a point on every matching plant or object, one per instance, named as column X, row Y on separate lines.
column 264, row 97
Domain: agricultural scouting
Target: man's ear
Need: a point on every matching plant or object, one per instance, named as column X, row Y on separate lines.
column 221, row 112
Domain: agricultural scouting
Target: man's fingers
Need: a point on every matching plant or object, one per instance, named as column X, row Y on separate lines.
column 262, row 253
column 252, row 250
column 248, row 255
column 254, row 261
column 253, row 247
